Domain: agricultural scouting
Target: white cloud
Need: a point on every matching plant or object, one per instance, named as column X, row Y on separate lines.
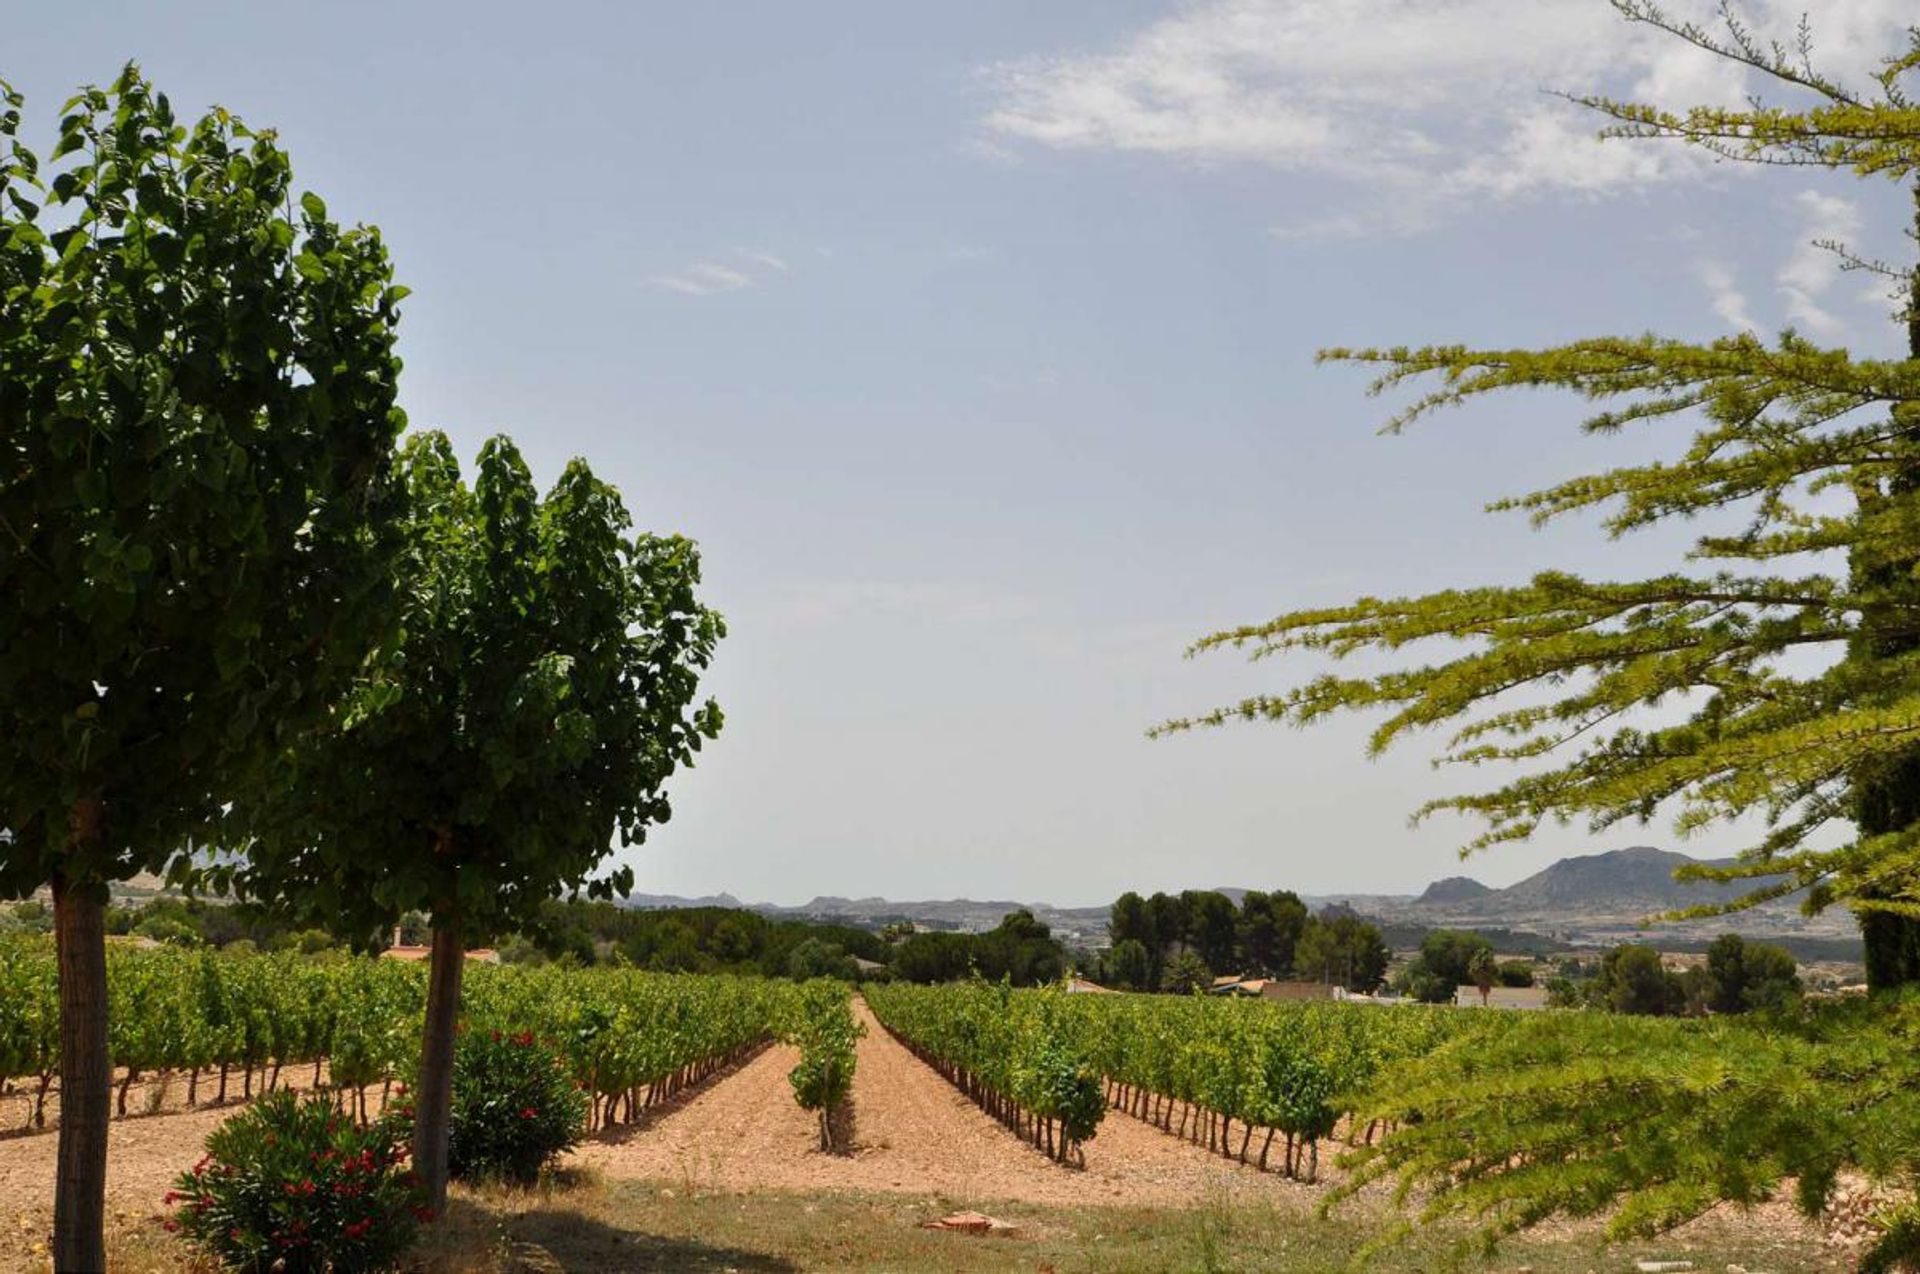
column 1728, row 301
column 1811, row 271
column 742, row 268
column 1433, row 103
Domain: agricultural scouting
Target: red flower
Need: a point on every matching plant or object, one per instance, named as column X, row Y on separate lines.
column 170, row 1198
column 524, row 1039
column 529, row 1113
column 357, row 1228
column 170, row 1225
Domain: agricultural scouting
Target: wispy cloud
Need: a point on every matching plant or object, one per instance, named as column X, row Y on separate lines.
column 735, row 270
column 1810, row 271
column 1434, row 104
column 1729, row 302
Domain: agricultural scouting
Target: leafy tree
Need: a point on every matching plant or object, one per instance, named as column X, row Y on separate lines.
column 816, row 959
column 1131, row 920
column 1211, row 926
column 1445, row 963
column 1483, row 971
column 1342, row 949
column 1622, row 699
column 197, row 383
column 1743, row 976
column 1633, row 979
column 1129, row 965
column 1516, row 973
column 1269, row 929
column 1185, row 973
column 540, row 695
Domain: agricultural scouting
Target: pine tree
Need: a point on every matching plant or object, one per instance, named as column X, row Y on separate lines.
column 1578, row 679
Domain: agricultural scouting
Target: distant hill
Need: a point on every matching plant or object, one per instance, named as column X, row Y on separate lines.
column 1638, row 880
column 1584, row 900
column 1453, row 889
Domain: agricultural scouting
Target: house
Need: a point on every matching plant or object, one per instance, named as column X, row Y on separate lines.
column 867, row 967
column 486, row 955
column 1501, row 997
column 1080, row 986
column 1272, row 989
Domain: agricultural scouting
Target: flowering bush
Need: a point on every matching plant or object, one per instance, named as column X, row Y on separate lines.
column 294, row 1186
column 514, row 1107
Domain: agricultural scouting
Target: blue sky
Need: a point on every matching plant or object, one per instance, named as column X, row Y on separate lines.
column 974, row 343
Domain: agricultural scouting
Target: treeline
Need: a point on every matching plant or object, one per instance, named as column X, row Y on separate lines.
column 695, row 940
column 1737, row 976
column 1021, row 950
column 1176, row 942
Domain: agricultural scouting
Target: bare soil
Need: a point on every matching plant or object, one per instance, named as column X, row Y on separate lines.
column 911, row 1132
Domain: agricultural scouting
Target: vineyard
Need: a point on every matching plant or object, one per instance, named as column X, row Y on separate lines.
column 1049, row 1065
column 229, row 1025
column 1090, row 1083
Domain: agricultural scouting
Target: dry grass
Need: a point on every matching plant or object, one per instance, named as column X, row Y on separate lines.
column 581, row 1225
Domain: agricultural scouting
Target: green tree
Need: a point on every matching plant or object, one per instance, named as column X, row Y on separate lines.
column 541, row 694
column 813, row 958
column 1342, row 949
column 1633, row 979
column 1446, row 963
column 1185, row 973
column 1483, row 971
column 1129, row 965
column 1516, row 973
column 1211, row 926
column 1621, row 699
column 197, row 384
column 1267, row 929
column 1743, row 976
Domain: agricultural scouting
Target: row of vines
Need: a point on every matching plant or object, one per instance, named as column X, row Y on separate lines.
column 228, row 1024
column 1012, row 1052
column 1217, row 1072
column 1221, row 1072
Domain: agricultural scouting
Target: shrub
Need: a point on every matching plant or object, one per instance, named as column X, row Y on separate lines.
column 514, row 1107
column 294, row 1186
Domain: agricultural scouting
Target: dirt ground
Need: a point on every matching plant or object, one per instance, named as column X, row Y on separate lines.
column 912, row 1132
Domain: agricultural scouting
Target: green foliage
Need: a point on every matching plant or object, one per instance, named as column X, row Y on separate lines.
column 816, row 959
column 1449, row 959
column 540, row 696
column 1341, row 949
column 1743, row 976
column 1185, row 973
column 1020, row 949
column 1647, row 1121
column 290, row 1184
column 515, row 1107
column 1515, row 973
column 1009, row 1050
column 819, row 1020
column 1622, row 699
column 196, row 491
column 1129, row 966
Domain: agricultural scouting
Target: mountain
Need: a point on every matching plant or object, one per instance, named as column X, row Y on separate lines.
column 1453, row 889
column 1620, row 882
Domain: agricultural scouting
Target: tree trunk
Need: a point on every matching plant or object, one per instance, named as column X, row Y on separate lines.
column 433, row 1095
column 86, row 1101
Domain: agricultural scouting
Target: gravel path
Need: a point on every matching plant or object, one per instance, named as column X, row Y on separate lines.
column 912, row 1132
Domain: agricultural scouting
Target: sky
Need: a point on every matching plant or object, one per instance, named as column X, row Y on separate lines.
column 975, row 342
